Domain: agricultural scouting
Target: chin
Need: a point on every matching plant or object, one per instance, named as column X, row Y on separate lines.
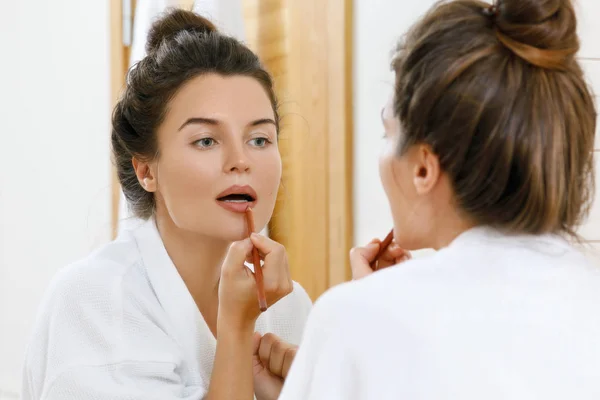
column 220, row 229
column 221, row 234
column 230, row 227
column 234, row 236
column 219, row 224
column 228, row 232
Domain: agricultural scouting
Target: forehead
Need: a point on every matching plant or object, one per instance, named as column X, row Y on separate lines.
column 212, row 95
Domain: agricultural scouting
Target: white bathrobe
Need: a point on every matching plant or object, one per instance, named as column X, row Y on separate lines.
column 489, row 317
column 121, row 325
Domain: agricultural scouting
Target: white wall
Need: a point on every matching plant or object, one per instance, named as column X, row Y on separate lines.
column 378, row 25
column 54, row 154
column 589, row 31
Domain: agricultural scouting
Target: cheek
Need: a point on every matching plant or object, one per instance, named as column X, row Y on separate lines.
column 266, row 179
column 385, row 168
column 269, row 168
column 395, row 179
column 188, row 175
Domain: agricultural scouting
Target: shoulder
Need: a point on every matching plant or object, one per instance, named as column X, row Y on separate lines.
column 88, row 296
column 383, row 283
column 387, row 295
column 91, row 312
column 97, row 277
column 468, row 275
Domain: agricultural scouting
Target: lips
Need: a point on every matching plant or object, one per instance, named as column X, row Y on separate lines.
column 237, row 198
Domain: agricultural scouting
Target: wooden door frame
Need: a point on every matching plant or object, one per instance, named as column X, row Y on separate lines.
column 307, row 46
column 340, row 138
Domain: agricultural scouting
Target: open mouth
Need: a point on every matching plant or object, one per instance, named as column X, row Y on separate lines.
column 237, row 198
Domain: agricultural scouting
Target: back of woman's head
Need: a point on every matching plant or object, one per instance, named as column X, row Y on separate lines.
column 181, row 45
column 498, row 95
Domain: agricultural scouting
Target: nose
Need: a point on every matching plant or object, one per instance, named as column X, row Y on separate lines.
column 235, row 160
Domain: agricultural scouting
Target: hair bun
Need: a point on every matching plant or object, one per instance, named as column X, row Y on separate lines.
column 175, row 21
column 543, row 32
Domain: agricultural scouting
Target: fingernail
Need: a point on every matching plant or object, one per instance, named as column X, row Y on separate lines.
column 254, row 235
column 372, row 245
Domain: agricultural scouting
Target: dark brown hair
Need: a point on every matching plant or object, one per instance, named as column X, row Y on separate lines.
column 498, row 95
column 181, row 45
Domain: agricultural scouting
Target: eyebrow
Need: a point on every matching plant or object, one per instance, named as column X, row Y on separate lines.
column 211, row 121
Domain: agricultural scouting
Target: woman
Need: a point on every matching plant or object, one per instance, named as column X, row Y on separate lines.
column 169, row 310
column 490, row 138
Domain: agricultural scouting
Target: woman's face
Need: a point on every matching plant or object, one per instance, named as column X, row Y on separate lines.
column 407, row 181
column 218, row 154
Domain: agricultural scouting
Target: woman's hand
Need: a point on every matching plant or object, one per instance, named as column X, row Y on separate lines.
column 270, row 365
column 232, row 375
column 362, row 257
column 238, row 299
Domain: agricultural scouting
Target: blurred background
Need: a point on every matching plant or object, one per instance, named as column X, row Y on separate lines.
column 63, row 66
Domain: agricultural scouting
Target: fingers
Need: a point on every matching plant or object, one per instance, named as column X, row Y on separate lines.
column 265, row 245
column 239, row 251
column 276, row 355
column 236, row 256
column 276, row 273
column 288, row 359
column 395, row 254
column 264, row 351
column 249, row 259
column 273, row 253
column 255, row 343
column 361, row 258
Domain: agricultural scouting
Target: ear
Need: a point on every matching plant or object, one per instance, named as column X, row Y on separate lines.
column 427, row 170
column 145, row 174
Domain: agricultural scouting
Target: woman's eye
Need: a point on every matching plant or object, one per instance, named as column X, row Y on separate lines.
column 260, row 142
column 205, row 142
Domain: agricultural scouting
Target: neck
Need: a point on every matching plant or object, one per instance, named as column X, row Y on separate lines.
column 449, row 224
column 198, row 258
column 447, row 219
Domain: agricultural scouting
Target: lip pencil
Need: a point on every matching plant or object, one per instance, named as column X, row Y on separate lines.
column 382, row 248
column 258, row 275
